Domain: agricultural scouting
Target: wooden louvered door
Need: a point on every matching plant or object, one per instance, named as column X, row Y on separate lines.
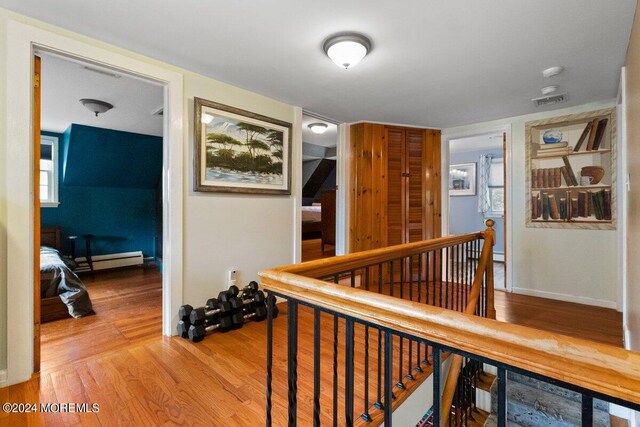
column 396, row 186
column 415, row 182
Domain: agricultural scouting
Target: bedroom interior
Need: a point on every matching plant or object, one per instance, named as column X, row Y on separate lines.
column 140, row 376
column 101, row 207
column 319, row 187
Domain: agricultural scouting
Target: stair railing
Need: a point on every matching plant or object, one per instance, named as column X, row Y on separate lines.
column 485, row 265
column 595, row 370
column 453, row 272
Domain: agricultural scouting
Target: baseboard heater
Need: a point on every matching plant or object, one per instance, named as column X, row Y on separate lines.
column 104, row 262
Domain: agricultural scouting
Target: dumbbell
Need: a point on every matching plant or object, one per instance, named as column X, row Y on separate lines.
column 198, row 332
column 213, row 310
column 244, row 293
column 184, row 314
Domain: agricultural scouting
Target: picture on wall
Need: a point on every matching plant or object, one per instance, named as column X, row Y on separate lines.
column 237, row 151
column 462, row 179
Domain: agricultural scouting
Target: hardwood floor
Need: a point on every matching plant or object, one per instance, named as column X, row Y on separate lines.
column 312, row 250
column 118, row 359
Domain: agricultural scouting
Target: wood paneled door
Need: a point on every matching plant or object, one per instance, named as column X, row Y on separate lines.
column 394, row 185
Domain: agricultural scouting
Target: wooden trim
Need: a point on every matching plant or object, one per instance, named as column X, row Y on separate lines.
column 36, row 213
column 598, row 367
column 328, row 266
column 485, row 264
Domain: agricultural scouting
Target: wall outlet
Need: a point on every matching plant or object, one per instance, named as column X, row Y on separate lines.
column 232, row 279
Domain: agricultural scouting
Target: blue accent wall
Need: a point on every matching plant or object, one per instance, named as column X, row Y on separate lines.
column 463, row 210
column 107, row 188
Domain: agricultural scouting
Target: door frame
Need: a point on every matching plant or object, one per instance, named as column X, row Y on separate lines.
column 341, row 190
column 446, row 138
column 22, row 42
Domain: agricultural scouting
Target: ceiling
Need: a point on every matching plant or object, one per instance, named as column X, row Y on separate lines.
column 434, row 63
column 65, row 82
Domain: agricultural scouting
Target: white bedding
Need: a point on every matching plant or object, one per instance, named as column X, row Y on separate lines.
column 311, row 213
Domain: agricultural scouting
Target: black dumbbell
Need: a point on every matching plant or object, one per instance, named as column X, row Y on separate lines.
column 244, row 293
column 213, row 310
column 198, row 332
column 183, row 324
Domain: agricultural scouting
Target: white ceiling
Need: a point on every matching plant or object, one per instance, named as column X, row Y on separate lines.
column 65, row 82
column 434, row 62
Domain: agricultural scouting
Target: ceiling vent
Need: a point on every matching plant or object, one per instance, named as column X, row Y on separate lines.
column 550, row 100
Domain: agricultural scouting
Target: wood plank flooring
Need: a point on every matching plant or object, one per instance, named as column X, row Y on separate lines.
column 118, row 359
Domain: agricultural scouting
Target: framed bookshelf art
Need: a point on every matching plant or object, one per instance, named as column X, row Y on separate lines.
column 570, row 163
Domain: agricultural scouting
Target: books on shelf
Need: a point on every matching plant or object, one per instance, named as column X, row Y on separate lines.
column 572, row 176
column 602, row 125
column 583, row 137
column 546, row 178
column 555, row 152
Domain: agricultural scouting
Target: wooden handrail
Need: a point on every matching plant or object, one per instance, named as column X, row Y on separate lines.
column 486, row 259
column 328, row 266
column 601, row 368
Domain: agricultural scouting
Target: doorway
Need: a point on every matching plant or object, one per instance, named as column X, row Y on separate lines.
column 477, row 191
column 23, row 41
column 100, row 187
column 319, row 187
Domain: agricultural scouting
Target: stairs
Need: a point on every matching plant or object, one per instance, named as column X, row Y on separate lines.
column 535, row 403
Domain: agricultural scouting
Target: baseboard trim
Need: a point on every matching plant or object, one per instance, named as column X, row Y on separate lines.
column 565, row 297
column 3, row 377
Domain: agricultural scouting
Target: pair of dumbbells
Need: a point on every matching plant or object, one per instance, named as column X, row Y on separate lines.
column 215, row 314
column 245, row 293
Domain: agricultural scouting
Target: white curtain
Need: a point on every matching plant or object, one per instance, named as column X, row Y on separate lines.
column 484, row 204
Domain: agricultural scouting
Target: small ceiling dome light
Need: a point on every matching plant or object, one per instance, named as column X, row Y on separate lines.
column 206, row 118
column 318, row 128
column 347, row 49
column 549, row 89
column 553, row 71
column 96, row 106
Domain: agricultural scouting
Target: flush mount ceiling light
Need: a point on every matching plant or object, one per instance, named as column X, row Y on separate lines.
column 206, row 118
column 318, row 128
column 547, row 90
column 96, row 106
column 347, row 49
column 553, row 71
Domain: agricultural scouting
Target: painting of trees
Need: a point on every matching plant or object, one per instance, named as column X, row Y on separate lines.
column 246, row 147
column 238, row 151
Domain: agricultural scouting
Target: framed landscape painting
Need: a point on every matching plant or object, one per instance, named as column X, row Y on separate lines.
column 237, row 151
column 462, row 179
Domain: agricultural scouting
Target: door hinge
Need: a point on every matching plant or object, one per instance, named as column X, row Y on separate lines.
column 36, row 81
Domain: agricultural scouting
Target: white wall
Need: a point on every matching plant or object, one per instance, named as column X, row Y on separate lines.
column 221, row 232
column 572, row 265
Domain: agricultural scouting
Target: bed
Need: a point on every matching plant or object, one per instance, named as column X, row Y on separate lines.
column 62, row 293
column 311, row 222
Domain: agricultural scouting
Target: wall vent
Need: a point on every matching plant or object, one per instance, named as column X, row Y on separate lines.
column 550, row 100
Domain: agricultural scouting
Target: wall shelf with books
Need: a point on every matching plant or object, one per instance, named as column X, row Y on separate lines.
column 570, row 162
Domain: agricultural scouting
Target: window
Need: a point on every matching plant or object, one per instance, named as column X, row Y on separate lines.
column 496, row 188
column 48, row 171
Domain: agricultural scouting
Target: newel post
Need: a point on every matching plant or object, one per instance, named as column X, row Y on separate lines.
column 490, row 238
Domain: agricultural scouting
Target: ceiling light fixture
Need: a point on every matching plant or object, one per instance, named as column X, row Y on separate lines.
column 547, row 90
column 347, row 49
column 553, row 71
column 318, row 128
column 206, row 118
column 96, row 106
